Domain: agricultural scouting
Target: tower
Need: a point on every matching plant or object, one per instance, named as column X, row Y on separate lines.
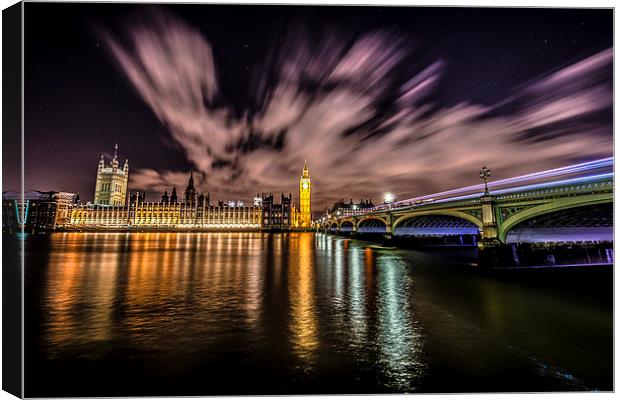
column 305, row 215
column 190, row 192
column 111, row 184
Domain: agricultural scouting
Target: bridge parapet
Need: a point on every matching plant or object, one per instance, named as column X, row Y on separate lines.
column 587, row 187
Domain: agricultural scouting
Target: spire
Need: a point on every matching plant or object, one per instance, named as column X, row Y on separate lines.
column 115, row 159
column 190, row 183
column 173, row 196
column 190, row 191
column 305, row 174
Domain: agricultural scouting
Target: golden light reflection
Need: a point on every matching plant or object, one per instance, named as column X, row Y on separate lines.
column 301, row 295
column 81, row 276
column 253, row 274
column 149, row 285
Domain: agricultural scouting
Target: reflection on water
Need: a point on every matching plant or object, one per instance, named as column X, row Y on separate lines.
column 198, row 313
column 301, row 294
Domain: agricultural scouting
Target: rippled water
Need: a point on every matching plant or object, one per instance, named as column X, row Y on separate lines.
column 234, row 313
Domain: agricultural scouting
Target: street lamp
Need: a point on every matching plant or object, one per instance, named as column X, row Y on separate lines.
column 388, row 198
column 484, row 175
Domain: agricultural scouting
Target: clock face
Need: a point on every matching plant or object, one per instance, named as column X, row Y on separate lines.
column 304, row 185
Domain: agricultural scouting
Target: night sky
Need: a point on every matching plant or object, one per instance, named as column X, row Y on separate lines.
column 407, row 100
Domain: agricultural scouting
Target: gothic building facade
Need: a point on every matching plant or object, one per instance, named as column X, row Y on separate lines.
column 194, row 212
column 114, row 208
column 276, row 216
column 111, row 183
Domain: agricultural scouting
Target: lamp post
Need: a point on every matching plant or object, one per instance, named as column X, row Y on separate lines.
column 485, row 173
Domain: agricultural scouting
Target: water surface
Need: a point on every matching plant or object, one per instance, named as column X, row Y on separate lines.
column 238, row 313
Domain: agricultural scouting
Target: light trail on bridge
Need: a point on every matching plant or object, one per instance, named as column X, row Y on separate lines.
column 475, row 191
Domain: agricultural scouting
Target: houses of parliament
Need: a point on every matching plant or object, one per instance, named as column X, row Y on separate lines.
column 114, row 208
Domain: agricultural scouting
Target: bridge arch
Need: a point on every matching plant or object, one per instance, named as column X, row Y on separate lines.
column 333, row 226
column 346, row 225
column 555, row 206
column 376, row 217
column 372, row 224
column 441, row 213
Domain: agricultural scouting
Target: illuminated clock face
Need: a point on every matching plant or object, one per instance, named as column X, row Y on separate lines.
column 304, row 185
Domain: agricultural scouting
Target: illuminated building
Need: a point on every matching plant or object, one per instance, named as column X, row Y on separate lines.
column 111, row 183
column 294, row 216
column 39, row 210
column 115, row 209
column 157, row 215
column 342, row 208
column 195, row 212
column 274, row 215
column 305, row 188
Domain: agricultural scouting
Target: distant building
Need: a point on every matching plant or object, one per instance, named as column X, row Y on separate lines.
column 276, row 215
column 39, row 210
column 342, row 208
column 111, row 183
column 305, row 189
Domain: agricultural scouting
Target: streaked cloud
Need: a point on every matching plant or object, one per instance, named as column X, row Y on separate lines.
column 365, row 122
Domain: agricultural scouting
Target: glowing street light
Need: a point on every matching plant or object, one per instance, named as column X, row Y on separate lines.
column 388, row 198
column 485, row 173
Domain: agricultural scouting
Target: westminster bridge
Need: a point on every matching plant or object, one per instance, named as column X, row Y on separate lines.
column 570, row 206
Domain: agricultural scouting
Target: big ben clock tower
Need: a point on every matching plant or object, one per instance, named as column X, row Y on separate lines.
column 305, row 216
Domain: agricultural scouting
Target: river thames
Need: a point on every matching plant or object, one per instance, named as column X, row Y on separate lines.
column 293, row 313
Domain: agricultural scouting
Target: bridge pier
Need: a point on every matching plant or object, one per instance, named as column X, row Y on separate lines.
column 388, row 236
column 492, row 253
column 489, row 221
